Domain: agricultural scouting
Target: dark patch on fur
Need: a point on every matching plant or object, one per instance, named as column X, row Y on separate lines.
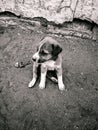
column 56, row 50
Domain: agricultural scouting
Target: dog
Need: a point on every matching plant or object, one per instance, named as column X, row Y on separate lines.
column 48, row 56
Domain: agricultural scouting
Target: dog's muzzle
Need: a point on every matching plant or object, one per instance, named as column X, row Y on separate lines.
column 35, row 57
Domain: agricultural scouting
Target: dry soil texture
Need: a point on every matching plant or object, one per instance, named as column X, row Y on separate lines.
column 22, row 108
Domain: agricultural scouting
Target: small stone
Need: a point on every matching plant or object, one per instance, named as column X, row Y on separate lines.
column 18, row 34
column 11, row 84
column 16, row 64
column 81, row 73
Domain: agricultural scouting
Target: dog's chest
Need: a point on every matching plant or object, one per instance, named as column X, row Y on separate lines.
column 50, row 65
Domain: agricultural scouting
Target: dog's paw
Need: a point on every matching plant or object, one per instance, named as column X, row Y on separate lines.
column 41, row 86
column 61, row 87
column 31, row 84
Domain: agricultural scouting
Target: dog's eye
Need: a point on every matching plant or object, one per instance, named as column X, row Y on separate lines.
column 44, row 52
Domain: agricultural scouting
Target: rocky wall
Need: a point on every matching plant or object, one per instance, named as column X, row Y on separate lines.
column 77, row 28
column 57, row 11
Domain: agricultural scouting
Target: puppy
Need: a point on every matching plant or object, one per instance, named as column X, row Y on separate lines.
column 48, row 55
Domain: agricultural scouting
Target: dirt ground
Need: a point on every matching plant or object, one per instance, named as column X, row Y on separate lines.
column 22, row 108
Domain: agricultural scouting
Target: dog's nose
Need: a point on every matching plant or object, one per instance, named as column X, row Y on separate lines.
column 33, row 59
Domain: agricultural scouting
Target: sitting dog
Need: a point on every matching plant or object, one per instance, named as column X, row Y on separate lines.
column 48, row 56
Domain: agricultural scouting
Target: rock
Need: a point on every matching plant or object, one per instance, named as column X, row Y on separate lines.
column 57, row 11
column 22, row 63
column 84, row 9
column 78, row 28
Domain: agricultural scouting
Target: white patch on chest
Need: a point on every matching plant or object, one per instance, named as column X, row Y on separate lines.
column 50, row 65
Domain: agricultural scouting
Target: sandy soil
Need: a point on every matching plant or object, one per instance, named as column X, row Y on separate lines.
column 22, row 108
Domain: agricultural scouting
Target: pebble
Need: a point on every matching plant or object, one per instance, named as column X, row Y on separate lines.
column 16, row 64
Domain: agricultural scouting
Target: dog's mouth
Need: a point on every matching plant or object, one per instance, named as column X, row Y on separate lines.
column 41, row 61
column 38, row 60
column 44, row 60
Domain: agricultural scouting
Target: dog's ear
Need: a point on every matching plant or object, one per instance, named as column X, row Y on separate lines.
column 56, row 49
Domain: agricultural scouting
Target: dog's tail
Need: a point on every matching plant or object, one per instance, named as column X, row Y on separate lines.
column 52, row 76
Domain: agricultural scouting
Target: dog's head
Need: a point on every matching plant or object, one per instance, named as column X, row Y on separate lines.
column 48, row 49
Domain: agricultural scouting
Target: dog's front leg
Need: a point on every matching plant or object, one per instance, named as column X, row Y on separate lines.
column 60, row 79
column 43, row 77
column 35, row 66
